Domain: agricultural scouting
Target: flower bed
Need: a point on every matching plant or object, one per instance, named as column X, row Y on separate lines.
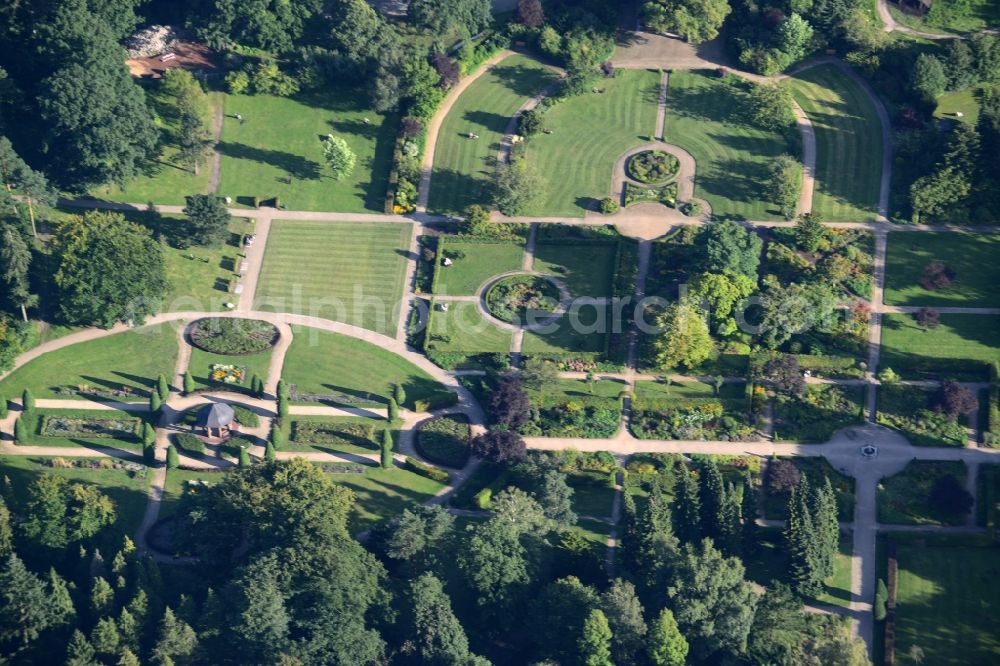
column 653, row 167
column 134, row 469
column 708, row 420
column 445, row 440
column 232, row 336
column 89, row 428
column 665, row 194
column 512, row 299
column 227, row 374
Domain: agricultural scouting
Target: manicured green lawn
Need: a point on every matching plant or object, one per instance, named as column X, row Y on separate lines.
column 473, row 264
column 351, row 272
column 163, row 181
column 848, row 143
column 173, row 489
column 913, row 351
column 589, row 498
column 564, row 336
column 705, row 117
column 280, row 141
column 133, row 359
column 589, row 133
column 587, row 269
column 33, row 426
column 320, row 362
column 972, row 258
column 969, row 16
column 383, row 493
column 463, row 167
column 253, row 364
column 904, row 499
column 126, row 488
column 687, row 391
column 946, row 604
column 463, row 329
column 964, row 101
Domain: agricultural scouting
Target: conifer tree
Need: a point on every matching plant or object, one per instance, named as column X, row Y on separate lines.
column 188, row 383
column 20, row 431
column 128, row 630
column 393, row 411
column 104, row 637
column 628, row 545
column 824, row 507
column 269, row 453
column 6, row 531
column 624, row 612
column 748, row 513
column 278, row 437
column 102, row 597
column 174, row 639
column 801, row 542
column 399, row 394
column 595, row 640
column 128, row 658
column 667, row 646
column 155, row 403
column 730, row 529
column 27, row 400
column 282, row 407
column 244, row 458
column 712, row 492
column 879, row 611
column 163, row 387
column 386, row 449
column 60, row 601
column 148, row 434
column 281, row 390
column 687, row 503
column 173, row 460
column 24, row 605
column 79, row 651
column 3, row 407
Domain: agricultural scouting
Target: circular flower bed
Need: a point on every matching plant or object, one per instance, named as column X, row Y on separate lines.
column 233, row 337
column 512, row 298
column 653, row 166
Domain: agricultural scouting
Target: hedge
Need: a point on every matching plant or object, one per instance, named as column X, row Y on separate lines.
column 445, row 440
column 246, row 417
column 441, row 400
column 432, row 473
column 189, row 443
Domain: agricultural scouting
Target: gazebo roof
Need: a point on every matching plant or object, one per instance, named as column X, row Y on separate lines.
column 216, row 415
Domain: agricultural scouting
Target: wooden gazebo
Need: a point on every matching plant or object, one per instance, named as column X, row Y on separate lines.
column 216, row 420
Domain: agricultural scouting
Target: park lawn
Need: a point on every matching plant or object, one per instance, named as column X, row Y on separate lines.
column 463, row 167
column 578, row 331
column 904, row 498
column 965, row 101
column 341, row 434
column 351, row 272
column 384, row 493
column 770, row 563
column 951, row 350
column 33, row 427
column 591, row 497
column 324, row 363
column 132, row 359
column 200, row 277
column 972, row 258
column 587, row 269
column 463, row 329
column 848, row 143
column 473, row 264
column 162, row 181
column 681, row 391
column 979, row 14
column 173, row 489
column 945, row 602
column 253, row 364
column 563, row 390
column 127, row 488
column 590, row 132
column 704, row 117
column 277, row 150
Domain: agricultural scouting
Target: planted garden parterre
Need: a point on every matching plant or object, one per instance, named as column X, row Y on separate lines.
column 120, row 366
column 345, row 271
column 600, row 126
column 82, row 427
column 848, row 143
column 335, row 433
column 971, row 258
column 915, row 495
column 908, row 410
column 462, row 166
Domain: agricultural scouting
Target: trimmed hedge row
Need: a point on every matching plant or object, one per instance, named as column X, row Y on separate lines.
column 432, row 473
column 188, row 443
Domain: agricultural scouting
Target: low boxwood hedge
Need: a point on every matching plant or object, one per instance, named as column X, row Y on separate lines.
column 190, row 444
column 445, row 440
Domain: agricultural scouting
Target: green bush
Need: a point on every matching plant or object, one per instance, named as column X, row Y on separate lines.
column 246, row 417
column 436, row 401
column 3, row 407
column 173, row 460
column 189, row 443
column 609, row 206
column 653, row 167
column 445, row 440
column 427, row 471
column 233, row 336
column 665, row 194
column 483, row 498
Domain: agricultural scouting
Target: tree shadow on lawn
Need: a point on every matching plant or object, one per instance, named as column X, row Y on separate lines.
column 366, row 397
column 459, row 190
column 719, row 103
column 295, row 165
column 355, row 127
column 738, row 180
column 521, row 80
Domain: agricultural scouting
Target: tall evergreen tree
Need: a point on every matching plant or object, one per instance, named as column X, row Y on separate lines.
column 748, row 514
column 658, row 545
column 628, row 544
column 556, row 497
column 6, row 531
column 434, row 632
column 687, row 506
column 730, row 529
column 25, row 611
column 666, row 645
column 824, row 508
column 15, row 262
column 801, row 542
column 79, row 651
column 595, row 641
column 624, row 612
column 60, row 601
column 175, row 638
column 260, row 620
column 712, row 492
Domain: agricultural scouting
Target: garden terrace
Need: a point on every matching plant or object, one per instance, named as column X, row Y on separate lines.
column 946, row 600
column 691, row 411
column 342, row 370
column 971, row 258
column 276, row 150
column 960, row 347
column 463, row 167
column 335, row 434
column 125, row 483
column 652, row 167
column 848, row 143
column 908, row 498
column 574, row 408
column 352, row 272
column 163, row 181
column 474, row 262
column 119, row 367
column 588, row 133
column 705, row 118
column 821, row 411
column 84, row 427
column 523, row 299
column 907, row 409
